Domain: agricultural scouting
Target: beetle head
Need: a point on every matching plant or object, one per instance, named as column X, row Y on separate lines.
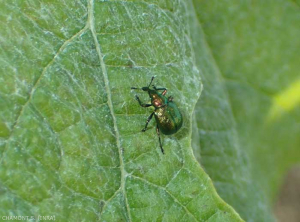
column 152, row 93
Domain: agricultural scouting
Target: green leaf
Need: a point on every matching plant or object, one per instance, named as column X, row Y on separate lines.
column 247, row 131
column 71, row 145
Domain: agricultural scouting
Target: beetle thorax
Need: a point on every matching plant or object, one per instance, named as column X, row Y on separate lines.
column 157, row 102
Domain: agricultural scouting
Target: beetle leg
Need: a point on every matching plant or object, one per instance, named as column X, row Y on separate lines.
column 142, row 104
column 170, row 98
column 148, row 120
column 164, row 90
column 158, row 134
column 154, row 87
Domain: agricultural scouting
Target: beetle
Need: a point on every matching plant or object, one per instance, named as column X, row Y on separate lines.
column 167, row 115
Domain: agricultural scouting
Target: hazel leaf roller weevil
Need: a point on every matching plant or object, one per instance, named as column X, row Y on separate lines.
column 167, row 115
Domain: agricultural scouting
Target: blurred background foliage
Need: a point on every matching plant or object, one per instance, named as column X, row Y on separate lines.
column 248, row 116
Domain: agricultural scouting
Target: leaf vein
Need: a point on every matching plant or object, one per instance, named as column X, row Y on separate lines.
column 63, row 46
column 171, row 195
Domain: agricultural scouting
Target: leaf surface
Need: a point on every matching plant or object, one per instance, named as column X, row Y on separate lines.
column 71, row 144
column 248, row 122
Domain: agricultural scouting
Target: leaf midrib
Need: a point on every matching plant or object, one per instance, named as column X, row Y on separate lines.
column 91, row 24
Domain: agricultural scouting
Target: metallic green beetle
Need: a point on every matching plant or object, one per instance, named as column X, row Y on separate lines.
column 167, row 115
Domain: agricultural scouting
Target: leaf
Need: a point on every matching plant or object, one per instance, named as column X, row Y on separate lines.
column 71, row 145
column 248, row 115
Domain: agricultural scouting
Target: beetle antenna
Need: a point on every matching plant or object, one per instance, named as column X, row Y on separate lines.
column 151, row 81
column 145, row 88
